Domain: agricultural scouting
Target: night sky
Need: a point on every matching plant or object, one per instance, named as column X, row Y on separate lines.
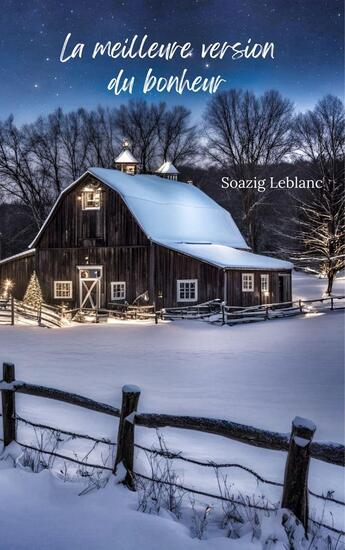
column 308, row 36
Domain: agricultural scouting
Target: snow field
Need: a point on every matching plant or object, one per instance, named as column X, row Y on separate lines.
column 260, row 374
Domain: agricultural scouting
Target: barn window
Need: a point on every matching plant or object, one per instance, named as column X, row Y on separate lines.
column 91, row 198
column 118, row 290
column 187, row 290
column 63, row 289
column 247, row 282
column 265, row 285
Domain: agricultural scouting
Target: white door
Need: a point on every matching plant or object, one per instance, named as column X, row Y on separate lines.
column 90, row 278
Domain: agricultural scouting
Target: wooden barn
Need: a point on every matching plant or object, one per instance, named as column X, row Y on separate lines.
column 114, row 236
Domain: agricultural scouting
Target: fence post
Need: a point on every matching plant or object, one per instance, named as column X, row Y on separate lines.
column 332, row 304
column 39, row 316
column 223, row 314
column 8, row 405
column 300, row 306
column 125, row 437
column 12, row 310
column 295, row 492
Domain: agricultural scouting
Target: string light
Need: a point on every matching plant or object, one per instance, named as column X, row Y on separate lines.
column 7, row 288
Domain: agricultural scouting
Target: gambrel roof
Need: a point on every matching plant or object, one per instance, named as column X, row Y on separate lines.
column 180, row 217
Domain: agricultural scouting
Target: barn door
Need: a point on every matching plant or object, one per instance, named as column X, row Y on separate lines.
column 90, row 278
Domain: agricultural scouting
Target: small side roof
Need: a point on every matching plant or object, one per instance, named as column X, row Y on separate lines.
column 29, row 252
column 227, row 257
column 126, row 157
column 167, row 168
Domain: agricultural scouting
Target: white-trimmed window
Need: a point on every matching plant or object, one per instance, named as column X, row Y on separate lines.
column 118, row 290
column 187, row 290
column 265, row 282
column 63, row 289
column 247, row 282
column 91, row 198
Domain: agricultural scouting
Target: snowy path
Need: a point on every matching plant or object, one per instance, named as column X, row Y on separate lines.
column 260, row 374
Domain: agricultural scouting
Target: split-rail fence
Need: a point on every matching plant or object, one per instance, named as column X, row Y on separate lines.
column 14, row 311
column 299, row 444
column 217, row 312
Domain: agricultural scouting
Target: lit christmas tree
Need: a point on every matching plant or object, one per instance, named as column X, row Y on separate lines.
column 33, row 295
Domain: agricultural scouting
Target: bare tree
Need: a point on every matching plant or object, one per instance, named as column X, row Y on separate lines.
column 44, row 145
column 101, row 136
column 73, row 143
column 320, row 137
column 177, row 139
column 139, row 121
column 21, row 178
column 245, row 135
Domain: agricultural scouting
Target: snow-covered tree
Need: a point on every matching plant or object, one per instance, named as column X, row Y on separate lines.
column 33, row 295
column 320, row 136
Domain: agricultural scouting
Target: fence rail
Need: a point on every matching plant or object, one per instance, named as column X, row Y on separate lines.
column 220, row 313
column 299, row 443
column 265, row 312
column 215, row 311
column 12, row 311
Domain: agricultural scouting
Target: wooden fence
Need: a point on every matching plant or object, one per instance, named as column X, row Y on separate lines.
column 13, row 311
column 219, row 313
column 299, row 444
column 117, row 311
column 197, row 311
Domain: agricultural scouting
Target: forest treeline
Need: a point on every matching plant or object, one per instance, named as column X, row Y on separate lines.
column 241, row 135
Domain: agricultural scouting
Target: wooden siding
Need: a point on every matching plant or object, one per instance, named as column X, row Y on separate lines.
column 171, row 266
column 111, row 225
column 19, row 270
column 129, row 264
column 236, row 297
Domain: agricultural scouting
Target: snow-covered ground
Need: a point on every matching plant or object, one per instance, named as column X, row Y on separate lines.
column 262, row 374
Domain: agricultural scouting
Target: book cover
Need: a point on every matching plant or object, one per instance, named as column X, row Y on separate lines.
column 172, row 275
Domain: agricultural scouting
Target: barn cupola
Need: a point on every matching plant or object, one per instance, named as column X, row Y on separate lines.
column 168, row 171
column 126, row 161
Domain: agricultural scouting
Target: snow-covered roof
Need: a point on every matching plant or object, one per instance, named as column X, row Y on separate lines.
column 167, row 168
column 226, row 256
column 126, row 157
column 180, row 217
column 174, row 212
column 17, row 256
